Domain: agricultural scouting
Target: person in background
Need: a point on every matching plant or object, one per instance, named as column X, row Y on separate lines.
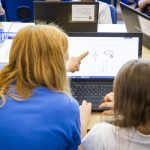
column 140, row 5
column 144, row 6
column 2, row 13
column 104, row 12
column 131, row 100
column 37, row 111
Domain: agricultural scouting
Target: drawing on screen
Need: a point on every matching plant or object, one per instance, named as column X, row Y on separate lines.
column 95, row 55
column 109, row 53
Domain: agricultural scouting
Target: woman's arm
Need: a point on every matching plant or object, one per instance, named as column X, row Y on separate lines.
column 85, row 114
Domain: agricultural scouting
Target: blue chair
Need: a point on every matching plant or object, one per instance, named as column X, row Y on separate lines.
column 110, row 2
column 113, row 14
column 18, row 10
column 2, row 18
column 129, row 2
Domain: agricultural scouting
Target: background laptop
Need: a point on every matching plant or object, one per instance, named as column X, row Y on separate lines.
column 107, row 53
column 71, row 16
column 137, row 22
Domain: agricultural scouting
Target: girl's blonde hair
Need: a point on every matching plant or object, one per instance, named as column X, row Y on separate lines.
column 37, row 58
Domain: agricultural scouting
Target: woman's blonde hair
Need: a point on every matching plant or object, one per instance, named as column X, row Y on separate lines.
column 37, row 58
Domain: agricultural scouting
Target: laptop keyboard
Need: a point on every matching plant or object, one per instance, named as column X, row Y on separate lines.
column 93, row 93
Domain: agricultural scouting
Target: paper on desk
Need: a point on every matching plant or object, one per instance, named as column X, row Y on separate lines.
column 5, row 26
column 16, row 26
column 5, row 50
column 83, row 13
column 5, row 47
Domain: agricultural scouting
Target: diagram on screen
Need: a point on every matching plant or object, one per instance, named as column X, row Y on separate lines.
column 94, row 55
column 105, row 56
column 109, row 53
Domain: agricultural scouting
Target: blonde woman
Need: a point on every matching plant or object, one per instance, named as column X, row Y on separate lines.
column 37, row 110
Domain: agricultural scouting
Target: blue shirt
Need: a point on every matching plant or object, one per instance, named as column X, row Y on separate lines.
column 46, row 121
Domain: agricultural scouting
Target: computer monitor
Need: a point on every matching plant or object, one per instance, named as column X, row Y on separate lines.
column 71, row 16
column 137, row 22
column 107, row 52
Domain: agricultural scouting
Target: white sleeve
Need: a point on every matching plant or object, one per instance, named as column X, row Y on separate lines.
column 94, row 139
column 104, row 14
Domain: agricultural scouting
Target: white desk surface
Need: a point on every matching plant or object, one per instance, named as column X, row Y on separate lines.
column 112, row 28
column 16, row 26
column 13, row 26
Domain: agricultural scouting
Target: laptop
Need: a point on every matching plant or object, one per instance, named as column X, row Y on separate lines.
column 71, row 16
column 137, row 22
column 107, row 53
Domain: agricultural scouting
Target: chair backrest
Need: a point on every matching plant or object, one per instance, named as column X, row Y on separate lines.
column 2, row 18
column 114, row 2
column 113, row 14
column 19, row 10
column 129, row 2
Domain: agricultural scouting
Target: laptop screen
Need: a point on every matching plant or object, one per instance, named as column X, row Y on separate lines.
column 107, row 52
column 71, row 16
column 140, row 22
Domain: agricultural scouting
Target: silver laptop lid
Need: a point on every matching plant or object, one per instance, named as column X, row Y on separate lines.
column 71, row 16
column 137, row 22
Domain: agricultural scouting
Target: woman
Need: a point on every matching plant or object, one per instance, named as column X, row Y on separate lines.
column 37, row 110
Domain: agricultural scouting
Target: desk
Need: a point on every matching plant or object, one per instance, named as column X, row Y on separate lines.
column 96, row 116
column 145, row 53
column 112, row 28
column 15, row 26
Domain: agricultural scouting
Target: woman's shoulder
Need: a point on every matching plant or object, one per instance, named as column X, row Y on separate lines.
column 70, row 100
column 63, row 100
column 100, row 130
column 97, row 136
column 52, row 94
column 103, row 127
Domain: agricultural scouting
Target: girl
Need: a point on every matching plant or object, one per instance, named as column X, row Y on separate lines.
column 131, row 129
column 37, row 110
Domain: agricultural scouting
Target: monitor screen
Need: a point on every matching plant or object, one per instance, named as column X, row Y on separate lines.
column 106, row 54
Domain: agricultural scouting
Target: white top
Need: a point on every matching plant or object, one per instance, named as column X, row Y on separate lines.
column 2, row 11
column 104, row 14
column 104, row 136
